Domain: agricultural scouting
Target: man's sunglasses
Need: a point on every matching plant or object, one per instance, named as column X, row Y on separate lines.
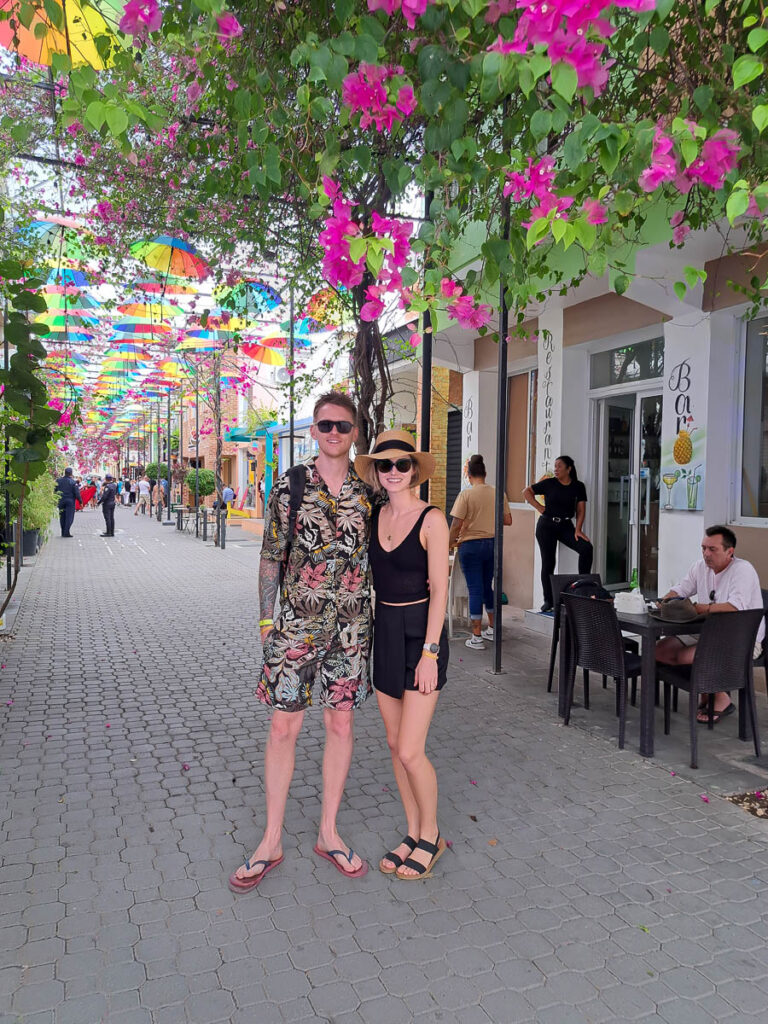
column 401, row 465
column 342, row 426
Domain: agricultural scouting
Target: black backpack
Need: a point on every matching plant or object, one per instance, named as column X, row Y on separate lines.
column 297, row 482
column 588, row 588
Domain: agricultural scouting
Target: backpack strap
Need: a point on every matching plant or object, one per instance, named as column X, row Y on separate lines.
column 297, row 483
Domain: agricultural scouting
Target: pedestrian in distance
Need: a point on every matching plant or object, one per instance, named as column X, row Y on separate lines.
column 408, row 554
column 107, row 500
column 319, row 643
column 565, row 498
column 474, row 531
column 144, row 492
column 134, row 491
column 69, row 493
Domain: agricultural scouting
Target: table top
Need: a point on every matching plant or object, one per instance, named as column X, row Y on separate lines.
column 647, row 624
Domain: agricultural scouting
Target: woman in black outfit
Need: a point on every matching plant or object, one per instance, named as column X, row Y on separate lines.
column 408, row 555
column 566, row 497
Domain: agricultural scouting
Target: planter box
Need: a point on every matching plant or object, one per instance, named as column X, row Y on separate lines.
column 30, row 543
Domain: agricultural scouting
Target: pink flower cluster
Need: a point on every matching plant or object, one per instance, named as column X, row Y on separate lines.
column 412, row 9
column 719, row 156
column 366, row 90
column 564, row 27
column 536, row 183
column 140, row 17
column 469, row 314
column 228, row 28
column 389, row 278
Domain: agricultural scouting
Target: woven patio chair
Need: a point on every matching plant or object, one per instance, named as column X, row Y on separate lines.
column 723, row 661
column 596, row 645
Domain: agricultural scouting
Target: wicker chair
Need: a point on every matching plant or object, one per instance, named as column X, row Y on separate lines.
column 559, row 582
column 596, row 644
column 761, row 661
column 723, row 661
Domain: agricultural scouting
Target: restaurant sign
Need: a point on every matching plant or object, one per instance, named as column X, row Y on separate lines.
column 684, row 432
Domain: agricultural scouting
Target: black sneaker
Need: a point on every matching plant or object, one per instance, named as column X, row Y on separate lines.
column 547, row 607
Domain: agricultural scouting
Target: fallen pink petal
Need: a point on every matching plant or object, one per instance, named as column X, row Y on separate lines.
column 704, row 797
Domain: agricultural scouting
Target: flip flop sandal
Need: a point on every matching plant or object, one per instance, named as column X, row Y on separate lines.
column 424, row 870
column 395, row 858
column 716, row 715
column 246, row 884
column 331, row 856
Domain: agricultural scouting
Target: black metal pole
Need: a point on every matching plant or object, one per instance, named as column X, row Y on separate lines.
column 291, row 408
column 8, row 566
column 168, row 453
column 426, row 371
column 181, row 445
column 197, row 452
column 501, row 456
column 158, row 485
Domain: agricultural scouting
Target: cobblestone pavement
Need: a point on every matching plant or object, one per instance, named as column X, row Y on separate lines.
column 582, row 884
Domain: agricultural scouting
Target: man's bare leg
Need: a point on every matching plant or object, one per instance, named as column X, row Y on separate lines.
column 337, row 757
column 279, row 761
column 670, row 651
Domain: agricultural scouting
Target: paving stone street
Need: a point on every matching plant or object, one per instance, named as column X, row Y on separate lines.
column 583, row 883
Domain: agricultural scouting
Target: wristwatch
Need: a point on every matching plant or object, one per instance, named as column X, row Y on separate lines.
column 432, row 648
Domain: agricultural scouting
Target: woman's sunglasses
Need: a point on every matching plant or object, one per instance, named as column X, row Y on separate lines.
column 342, row 426
column 401, row 465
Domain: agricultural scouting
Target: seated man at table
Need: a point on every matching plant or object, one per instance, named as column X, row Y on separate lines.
column 721, row 582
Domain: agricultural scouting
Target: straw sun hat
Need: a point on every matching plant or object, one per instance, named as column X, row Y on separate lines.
column 395, row 444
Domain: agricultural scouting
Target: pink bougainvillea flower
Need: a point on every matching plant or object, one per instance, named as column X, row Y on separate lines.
column 663, row 166
column 469, row 315
column 140, row 17
column 374, row 306
column 365, row 91
column 449, row 288
column 595, row 211
column 704, row 797
column 194, row 92
column 415, row 340
column 412, row 9
column 406, row 101
column 229, row 27
column 719, row 156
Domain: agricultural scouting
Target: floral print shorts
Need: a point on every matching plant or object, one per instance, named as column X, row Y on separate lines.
column 294, row 663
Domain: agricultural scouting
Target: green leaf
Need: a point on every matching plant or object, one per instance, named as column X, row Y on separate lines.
column 272, row 164
column 541, row 124
column 117, row 120
column 558, row 229
column 96, row 114
column 431, row 62
column 367, row 49
column 693, row 275
column 620, row 283
column 737, row 204
column 702, row 97
column 760, row 117
column 746, row 69
column 757, row 39
column 680, row 289
column 357, row 248
column 586, row 233
column 564, row 80
column 55, row 13
column 659, row 39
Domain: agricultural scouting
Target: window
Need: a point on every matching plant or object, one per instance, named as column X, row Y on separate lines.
column 521, row 433
column 628, row 364
column 754, row 458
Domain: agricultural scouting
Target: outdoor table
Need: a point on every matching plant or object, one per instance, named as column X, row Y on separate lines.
column 649, row 629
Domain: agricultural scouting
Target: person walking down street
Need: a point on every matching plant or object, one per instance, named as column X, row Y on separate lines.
column 566, row 497
column 126, row 495
column 227, row 496
column 144, row 493
column 165, row 487
column 107, row 500
column 134, row 491
column 69, row 493
column 318, row 645
column 474, row 530
column 408, row 554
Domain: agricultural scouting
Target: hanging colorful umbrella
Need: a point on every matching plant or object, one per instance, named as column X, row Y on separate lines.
column 66, row 318
column 139, row 327
column 169, row 285
column 54, row 299
column 262, row 354
column 220, row 334
column 197, row 345
column 149, row 311
column 85, row 31
column 55, row 233
column 67, row 276
column 56, row 335
column 326, row 307
column 249, row 298
column 171, row 256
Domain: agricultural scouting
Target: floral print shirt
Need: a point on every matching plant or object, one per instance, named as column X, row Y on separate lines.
column 326, row 585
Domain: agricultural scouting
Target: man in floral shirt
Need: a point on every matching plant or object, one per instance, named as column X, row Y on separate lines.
column 320, row 641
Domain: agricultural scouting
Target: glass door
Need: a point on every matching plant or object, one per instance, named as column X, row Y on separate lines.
column 618, row 454
column 648, row 496
column 631, row 474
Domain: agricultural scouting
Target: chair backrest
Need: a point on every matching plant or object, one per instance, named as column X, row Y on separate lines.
column 723, row 656
column 595, row 633
column 562, row 580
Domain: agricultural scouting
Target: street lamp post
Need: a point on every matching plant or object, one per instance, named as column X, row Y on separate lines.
column 168, row 453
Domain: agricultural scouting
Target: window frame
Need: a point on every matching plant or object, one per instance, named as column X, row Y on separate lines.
column 737, row 518
column 530, row 369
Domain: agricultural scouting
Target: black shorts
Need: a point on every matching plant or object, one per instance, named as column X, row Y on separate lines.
column 399, row 632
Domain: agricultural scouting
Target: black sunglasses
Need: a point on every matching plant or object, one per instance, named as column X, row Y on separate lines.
column 401, row 465
column 342, row 426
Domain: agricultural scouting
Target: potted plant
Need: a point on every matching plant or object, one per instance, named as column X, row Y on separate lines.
column 206, row 483
column 40, row 506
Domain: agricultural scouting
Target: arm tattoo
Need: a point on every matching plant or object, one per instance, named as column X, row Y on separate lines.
column 269, row 583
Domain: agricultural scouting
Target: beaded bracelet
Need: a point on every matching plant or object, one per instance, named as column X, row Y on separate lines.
column 266, row 622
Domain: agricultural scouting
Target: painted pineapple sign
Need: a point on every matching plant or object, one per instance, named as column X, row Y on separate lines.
column 683, row 450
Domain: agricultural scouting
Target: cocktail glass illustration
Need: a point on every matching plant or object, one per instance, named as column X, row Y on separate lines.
column 692, row 487
column 670, row 479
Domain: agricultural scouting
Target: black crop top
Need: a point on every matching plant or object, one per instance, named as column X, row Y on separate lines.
column 400, row 575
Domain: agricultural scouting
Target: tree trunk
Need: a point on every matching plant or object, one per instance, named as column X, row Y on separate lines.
column 372, row 381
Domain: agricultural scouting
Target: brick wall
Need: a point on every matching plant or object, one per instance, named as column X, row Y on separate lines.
column 446, row 395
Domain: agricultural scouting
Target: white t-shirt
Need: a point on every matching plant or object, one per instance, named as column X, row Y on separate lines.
column 738, row 584
column 144, row 487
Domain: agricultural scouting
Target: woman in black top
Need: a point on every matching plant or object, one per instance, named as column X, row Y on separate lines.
column 408, row 555
column 566, row 497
